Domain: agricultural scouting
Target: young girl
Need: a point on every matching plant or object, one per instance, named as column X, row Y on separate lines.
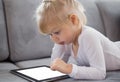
column 92, row 52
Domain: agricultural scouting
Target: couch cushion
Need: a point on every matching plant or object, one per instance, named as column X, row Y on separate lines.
column 93, row 16
column 24, row 37
column 8, row 77
column 3, row 38
column 7, row 66
column 32, row 63
column 110, row 11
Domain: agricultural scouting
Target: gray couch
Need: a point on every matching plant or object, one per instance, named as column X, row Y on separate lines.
column 21, row 44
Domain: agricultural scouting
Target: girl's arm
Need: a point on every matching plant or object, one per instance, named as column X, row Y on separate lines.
column 94, row 52
column 60, row 51
column 59, row 58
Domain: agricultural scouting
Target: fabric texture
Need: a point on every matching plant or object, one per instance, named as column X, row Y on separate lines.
column 8, row 77
column 7, row 66
column 3, row 36
column 33, row 63
column 93, row 16
column 24, row 38
column 110, row 11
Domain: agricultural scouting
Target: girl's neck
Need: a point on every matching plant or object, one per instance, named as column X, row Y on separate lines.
column 76, row 36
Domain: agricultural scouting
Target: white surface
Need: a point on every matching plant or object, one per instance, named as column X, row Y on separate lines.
column 41, row 73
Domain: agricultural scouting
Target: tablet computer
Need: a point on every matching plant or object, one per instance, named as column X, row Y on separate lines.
column 39, row 73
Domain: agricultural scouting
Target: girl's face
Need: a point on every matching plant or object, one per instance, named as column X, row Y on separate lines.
column 63, row 34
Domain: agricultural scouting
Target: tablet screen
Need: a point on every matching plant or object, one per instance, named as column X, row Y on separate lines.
column 40, row 73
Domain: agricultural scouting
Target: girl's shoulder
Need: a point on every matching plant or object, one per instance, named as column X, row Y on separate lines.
column 89, row 30
column 88, row 33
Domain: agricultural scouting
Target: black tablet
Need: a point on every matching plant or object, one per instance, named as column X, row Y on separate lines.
column 39, row 73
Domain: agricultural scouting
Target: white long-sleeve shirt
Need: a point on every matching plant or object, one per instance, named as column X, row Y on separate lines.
column 96, row 54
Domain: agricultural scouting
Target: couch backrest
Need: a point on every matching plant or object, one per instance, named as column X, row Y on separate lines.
column 3, row 36
column 110, row 11
column 24, row 37
column 27, row 43
column 104, row 15
column 93, row 16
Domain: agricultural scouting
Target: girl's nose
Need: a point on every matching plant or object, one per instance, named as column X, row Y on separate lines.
column 54, row 38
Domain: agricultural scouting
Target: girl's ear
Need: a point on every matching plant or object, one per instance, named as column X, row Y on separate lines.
column 74, row 19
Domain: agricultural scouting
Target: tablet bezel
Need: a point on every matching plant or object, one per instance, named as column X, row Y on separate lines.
column 15, row 71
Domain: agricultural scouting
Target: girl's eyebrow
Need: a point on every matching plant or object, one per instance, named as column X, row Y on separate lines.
column 56, row 29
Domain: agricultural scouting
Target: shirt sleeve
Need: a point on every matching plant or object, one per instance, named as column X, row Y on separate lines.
column 94, row 52
column 60, row 51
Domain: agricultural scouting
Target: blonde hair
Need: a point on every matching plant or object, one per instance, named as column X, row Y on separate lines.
column 58, row 11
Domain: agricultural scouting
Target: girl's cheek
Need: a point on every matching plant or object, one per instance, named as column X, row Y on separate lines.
column 51, row 38
column 54, row 40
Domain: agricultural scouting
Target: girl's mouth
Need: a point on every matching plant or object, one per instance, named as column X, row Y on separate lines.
column 61, row 43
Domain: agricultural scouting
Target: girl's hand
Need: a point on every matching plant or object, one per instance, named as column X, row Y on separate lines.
column 61, row 66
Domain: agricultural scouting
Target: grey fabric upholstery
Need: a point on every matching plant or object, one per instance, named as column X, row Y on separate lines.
column 7, row 66
column 93, row 16
column 8, row 77
column 110, row 11
column 3, row 39
column 25, row 39
column 32, row 63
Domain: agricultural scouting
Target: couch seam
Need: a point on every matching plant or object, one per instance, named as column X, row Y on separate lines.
column 101, row 16
column 6, row 26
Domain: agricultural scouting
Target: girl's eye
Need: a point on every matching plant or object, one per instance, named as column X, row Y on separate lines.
column 58, row 32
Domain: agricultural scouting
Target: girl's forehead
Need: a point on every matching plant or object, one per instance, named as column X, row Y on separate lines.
column 53, row 29
column 55, row 24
